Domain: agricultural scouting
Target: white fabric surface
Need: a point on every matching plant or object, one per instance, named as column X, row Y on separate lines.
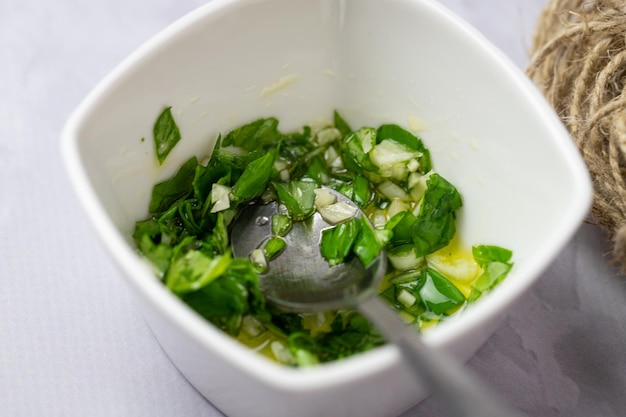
column 71, row 341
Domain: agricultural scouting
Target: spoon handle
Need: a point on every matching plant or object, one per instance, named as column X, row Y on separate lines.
column 459, row 393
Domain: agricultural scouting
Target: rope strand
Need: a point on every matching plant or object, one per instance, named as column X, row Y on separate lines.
column 578, row 61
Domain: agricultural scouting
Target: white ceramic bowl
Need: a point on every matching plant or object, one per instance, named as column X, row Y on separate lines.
column 404, row 61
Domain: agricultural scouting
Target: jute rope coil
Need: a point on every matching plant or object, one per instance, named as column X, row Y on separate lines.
column 578, row 60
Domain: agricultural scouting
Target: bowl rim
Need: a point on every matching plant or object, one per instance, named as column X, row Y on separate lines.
column 141, row 278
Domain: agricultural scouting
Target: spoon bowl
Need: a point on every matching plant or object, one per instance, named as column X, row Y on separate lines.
column 300, row 280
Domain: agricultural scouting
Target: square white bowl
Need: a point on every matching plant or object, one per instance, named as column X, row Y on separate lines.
column 410, row 62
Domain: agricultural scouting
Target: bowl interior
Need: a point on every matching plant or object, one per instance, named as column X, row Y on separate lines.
column 407, row 62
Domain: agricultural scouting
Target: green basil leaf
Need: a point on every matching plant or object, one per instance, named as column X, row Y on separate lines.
column 483, row 254
column 149, row 227
column 169, row 191
column 362, row 191
column 355, row 150
column 187, row 215
column 368, row 244
column 254, row 135
column 401, row 225
column 298, row 197
column 231, row 162
column 166, row 134
column 218, row 239
column 435, row 226
column 297, row 138
column 493, row 273
column 438, row 294
column 159, row 255
column 351, row 333
column 172, row 229
column 216, row 170
column 337, row 242
column 441, row 197
column 281, row 224
column 341, row 124
column 273, row 247
column 302, row 346
column 225, row 300
column 317, row 171
column 194, row 271
column 254, row 179
column 432, row 234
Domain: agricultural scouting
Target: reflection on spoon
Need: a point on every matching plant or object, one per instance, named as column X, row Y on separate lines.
column 300, row 280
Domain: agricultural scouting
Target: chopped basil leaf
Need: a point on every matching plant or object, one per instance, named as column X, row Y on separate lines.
column 496, row 265
column 194, row 271
column 158, row 254
column 337, row 242
column 167, row 192
column 362, row 191
column 435, row 226
column 281, row 224
column 298, row 197
column 401, row 226
column 224, row 301
column 349, row 333
column 253, row 181
column 166, row 134
column 254, row 135
column 484, row 254
column 368, row 243
column 438, row 294
column 317, row 171
column 273, row 247
column 355, row 236
column 355, row 150
column 341, row 124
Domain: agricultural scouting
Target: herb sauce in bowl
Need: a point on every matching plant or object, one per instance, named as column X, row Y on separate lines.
column 386, row 171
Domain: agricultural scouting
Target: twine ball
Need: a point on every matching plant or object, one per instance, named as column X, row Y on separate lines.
column 578, row 61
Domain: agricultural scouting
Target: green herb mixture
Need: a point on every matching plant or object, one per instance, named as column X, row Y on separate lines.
column 386, row 171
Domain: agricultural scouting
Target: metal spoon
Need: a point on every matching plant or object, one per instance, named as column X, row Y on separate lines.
column 300, row 280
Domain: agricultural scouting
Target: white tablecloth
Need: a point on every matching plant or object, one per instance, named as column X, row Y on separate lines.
column 73, row 344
